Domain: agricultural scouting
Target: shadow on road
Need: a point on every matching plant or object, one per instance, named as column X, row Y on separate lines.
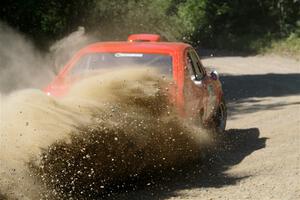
column 209, row 171
column 239, row 87
column 250, row 89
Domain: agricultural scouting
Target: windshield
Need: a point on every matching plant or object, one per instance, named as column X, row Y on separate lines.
column 97, row 61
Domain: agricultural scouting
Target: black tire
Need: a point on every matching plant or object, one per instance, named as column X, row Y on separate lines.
column 220, row 117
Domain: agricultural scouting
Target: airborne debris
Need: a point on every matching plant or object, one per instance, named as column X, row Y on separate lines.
column 79, row 150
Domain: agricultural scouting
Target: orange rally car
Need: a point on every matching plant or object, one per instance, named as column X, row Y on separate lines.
column 198, row 94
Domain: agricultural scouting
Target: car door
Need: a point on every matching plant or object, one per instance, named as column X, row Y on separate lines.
column 194, row 90
column 200, row 91
column 213, row 91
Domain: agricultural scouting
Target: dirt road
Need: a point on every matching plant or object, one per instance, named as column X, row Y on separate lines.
column 259, row 158
column 262, row 156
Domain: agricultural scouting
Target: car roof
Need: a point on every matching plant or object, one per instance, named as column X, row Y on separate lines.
column 142, row 47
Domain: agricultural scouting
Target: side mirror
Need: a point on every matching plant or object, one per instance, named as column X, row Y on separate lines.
column 197, row 82
column 214, row 75
column 193, row 77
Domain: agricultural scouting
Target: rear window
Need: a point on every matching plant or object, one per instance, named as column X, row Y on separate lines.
column 96, row 61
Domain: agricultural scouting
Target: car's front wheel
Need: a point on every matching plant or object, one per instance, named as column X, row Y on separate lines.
column 220, row 117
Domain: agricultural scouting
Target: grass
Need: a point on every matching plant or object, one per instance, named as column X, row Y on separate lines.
column 262, row 44
column 289, row 46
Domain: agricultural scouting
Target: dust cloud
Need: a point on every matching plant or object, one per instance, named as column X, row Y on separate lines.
column 24, row 66
column 108, row 129
column 62, row 50
column 105, row 131
column 20, row 62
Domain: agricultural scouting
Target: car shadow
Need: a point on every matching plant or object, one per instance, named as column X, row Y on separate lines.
column 209, row 171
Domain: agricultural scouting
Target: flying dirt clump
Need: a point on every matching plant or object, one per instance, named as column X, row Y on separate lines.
column 108, row 129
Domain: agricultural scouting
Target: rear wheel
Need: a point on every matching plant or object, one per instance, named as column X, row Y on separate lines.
column 220, row 117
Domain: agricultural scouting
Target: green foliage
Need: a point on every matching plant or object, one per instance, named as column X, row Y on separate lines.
column 289, row 46
column 209, row 22
column 117, row 19
column 233, row 24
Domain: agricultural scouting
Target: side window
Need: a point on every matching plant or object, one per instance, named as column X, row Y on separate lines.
column 190, row 66
column 198, row 68
column 81, row 65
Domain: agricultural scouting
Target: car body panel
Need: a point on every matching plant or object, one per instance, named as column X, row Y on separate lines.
column 191, row 97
